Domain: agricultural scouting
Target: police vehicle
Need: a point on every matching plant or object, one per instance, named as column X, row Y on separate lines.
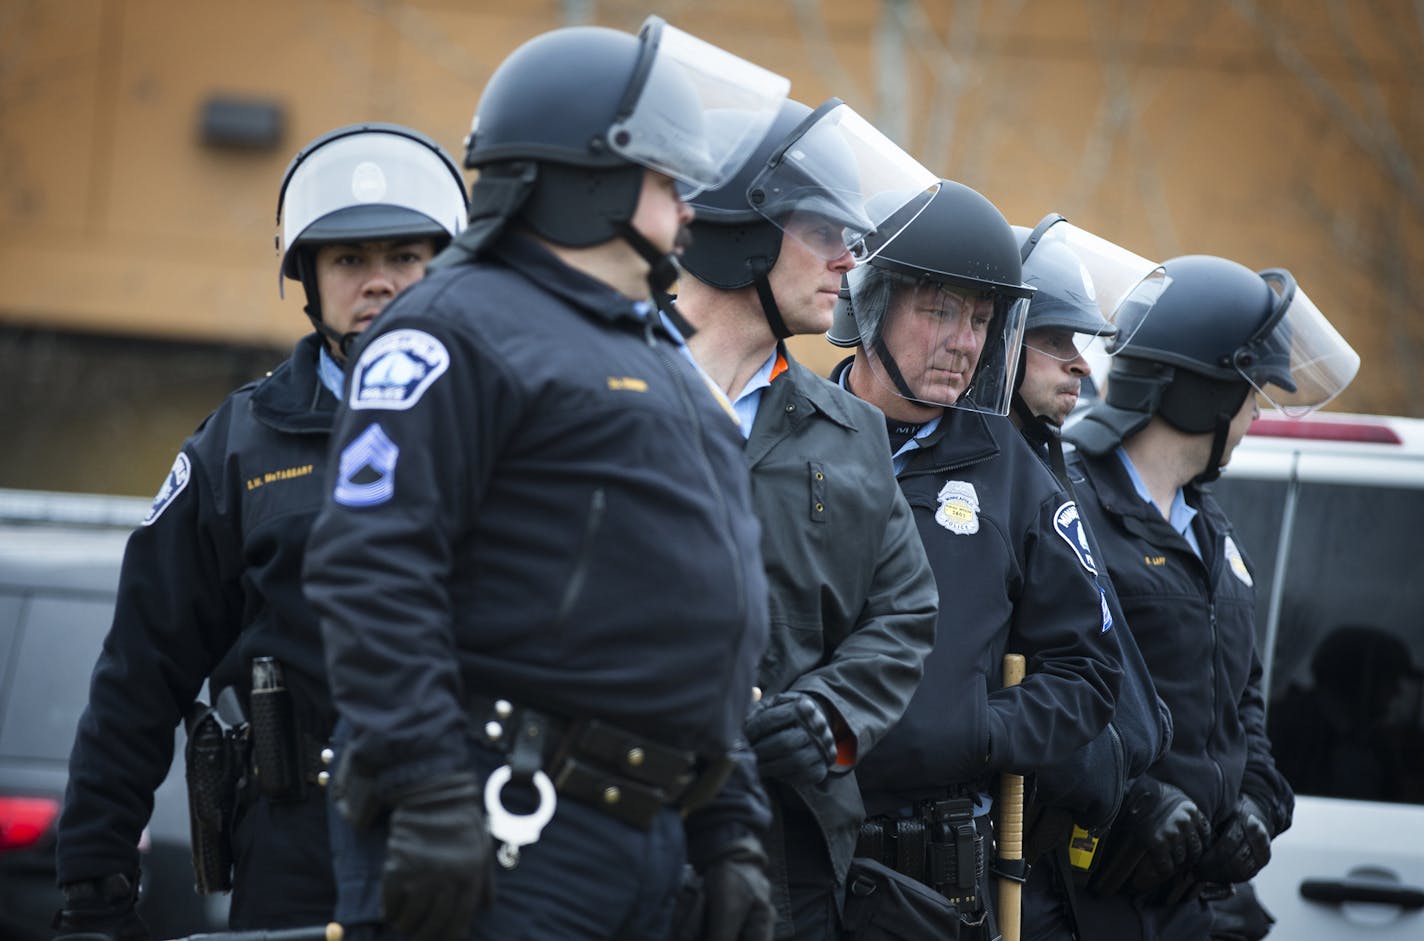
column 1330, row 509
column 59, row 570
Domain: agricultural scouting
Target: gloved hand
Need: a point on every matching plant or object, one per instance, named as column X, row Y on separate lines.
column 1241, row 849
column 438, row 858
column 101, row 910
column 1159, row 832
column 792, row 739
column 737, row 894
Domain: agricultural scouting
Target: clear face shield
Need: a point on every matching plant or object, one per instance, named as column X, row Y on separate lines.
column 1093, row 290
column 841, row 186
column 665, row 124
column 937, row 343
column 1298, row 361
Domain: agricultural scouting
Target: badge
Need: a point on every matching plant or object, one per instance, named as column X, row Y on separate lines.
column 958, row 507
column 1107, row 615
column 396, row 369
column 1238, row 564
column 367, row 470
column 173, row 485
column 1068, row 524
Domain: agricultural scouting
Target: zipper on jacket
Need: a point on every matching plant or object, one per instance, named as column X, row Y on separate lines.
column 579, row 574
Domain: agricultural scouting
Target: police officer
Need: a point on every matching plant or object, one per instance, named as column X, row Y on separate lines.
column 852, row 596
column 1082, row 284
column 1179, row 398
column 936, row 321
column 211, row 580
column 538, row 573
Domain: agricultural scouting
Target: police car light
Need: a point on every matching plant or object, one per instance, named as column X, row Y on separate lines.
column 23, row 820
column 1319, row 429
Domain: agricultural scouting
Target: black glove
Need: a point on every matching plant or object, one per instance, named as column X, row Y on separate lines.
column 101, row 910
column 792, row 739
column 1159, row 832
column 1242, row 848
column 737, row 894
column 437, row 871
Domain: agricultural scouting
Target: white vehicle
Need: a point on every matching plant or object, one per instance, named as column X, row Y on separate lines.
column 1331, row 511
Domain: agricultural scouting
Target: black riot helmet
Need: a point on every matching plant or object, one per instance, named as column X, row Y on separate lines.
column 569, row 122
column 954, row 268
column 1218, row 331
column 827, row 178
column 364, row 182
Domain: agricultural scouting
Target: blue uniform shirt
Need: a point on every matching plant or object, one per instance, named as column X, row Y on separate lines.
column 1181, row 514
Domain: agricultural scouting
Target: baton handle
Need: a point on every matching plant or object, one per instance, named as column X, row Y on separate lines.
column 1011, row 816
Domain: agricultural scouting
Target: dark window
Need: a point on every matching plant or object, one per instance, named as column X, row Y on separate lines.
column 1346, row 711
column 47, row 683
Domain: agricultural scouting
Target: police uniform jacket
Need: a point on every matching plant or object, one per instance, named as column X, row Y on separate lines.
column 209, row 581
column 1193, row 619
column 1013, row 577
column 536, row 497
column 853, row 599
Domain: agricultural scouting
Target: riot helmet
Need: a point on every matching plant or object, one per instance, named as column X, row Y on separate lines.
column 827, row 178
column 569, row 122
column 1218, row 332
column 940, row 312
column 364, row 182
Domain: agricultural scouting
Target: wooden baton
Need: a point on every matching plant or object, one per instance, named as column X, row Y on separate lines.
column 1011, row 818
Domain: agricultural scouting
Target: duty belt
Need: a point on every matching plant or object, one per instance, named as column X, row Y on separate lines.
column 942, row 845
column 622, row 773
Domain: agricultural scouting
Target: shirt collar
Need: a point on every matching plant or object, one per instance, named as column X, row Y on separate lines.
column 1181, row 514
column 329, row 371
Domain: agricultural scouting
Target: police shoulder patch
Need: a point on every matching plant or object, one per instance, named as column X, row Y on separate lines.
column 1070, row 526
column 396, row 368
column 367, row 469
column 178, row 476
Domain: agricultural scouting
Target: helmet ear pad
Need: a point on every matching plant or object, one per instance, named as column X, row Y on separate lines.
column 578, row 207
column 1194, row 404
column 728, row 256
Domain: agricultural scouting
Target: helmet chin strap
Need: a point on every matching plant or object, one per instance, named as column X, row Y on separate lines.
column 342, row 341
column 1218, row 448
column 761, row 274
column 662, row 273
column 1041, row 431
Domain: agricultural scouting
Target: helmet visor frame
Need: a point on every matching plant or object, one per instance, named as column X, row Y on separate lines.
column 939, row 343
column 839, row 169
column 1298, row 361
column 666, row 127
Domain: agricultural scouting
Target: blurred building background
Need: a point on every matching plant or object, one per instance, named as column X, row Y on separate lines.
column 142, row 143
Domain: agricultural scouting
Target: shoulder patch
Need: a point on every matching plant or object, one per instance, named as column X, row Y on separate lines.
column 178, row 476
column 1070, row 526
column 366, row 473
column 1107, row 614
column 396, row 369
column 958, row 507
column 1238, row 564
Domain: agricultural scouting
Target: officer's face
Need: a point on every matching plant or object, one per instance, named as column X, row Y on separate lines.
column 661, row 215
column 803, row 281
column 936, row 335
column 1053, row 371
column 1249, row 411
column 356, row 280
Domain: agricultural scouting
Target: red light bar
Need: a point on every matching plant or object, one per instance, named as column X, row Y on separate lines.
column 1317, row 430
column 23, row 820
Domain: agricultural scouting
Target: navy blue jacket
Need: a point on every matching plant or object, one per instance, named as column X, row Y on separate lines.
column 534, row 496
column 994, row 524
column 209, row 581
column 1194, row 622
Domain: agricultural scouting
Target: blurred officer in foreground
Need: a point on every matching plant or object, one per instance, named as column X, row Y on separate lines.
column 210, row 586
column 936, row 320
column 1179, row 399
column 538, row 572
column 852, row 596
column 1082, row 284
